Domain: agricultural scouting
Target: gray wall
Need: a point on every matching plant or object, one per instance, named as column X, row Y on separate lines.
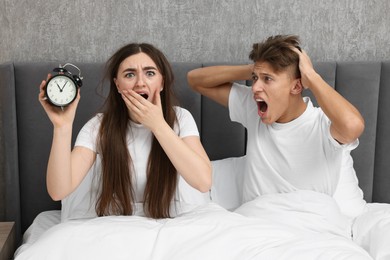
column 193, row 30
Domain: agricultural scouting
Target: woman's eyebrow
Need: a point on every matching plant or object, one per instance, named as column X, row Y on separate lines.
column 131, row 69
column 149, row 68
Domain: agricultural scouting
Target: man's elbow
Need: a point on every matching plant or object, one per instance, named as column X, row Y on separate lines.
column 358, row 127
column 192, row 79
column 355, row 129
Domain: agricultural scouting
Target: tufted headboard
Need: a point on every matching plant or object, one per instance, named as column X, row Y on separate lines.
column 26, row 132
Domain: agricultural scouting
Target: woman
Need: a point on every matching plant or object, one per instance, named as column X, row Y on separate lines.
column 146, row 145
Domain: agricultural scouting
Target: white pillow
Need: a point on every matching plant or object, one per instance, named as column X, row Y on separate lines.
column 228, row 176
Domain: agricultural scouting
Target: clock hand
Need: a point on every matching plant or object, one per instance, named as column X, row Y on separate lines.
column 59, row 87
column 63, row 86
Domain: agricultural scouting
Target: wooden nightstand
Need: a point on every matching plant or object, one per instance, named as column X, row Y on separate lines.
column 7, row 240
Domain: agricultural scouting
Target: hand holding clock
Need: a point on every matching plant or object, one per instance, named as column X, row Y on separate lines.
column 59, row 117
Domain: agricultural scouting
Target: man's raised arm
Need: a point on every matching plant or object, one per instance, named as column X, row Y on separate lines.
column 215, row 82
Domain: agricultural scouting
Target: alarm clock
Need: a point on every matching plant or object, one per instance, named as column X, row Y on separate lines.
column 61, row 89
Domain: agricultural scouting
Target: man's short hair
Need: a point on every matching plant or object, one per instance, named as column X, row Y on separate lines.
column 276, row 51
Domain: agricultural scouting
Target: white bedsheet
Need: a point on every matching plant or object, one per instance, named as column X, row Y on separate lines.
column 371, row 230
column 301, row 225
column 44, row 221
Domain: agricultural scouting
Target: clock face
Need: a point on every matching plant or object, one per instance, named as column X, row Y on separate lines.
column 61, row 90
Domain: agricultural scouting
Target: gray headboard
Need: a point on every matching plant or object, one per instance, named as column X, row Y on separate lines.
column 26, row 132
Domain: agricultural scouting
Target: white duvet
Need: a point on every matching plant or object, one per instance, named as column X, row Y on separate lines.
column 299, row 225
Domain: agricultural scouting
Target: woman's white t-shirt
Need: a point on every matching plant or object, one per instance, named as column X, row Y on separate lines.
column 139, row 139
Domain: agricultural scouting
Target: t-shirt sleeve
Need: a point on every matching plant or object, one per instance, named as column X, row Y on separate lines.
column 241, row 104
column 88, row 134
column 348, row 147
column 187, row 124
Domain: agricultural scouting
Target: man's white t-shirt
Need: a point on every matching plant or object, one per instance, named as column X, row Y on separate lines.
column 298, row 155
column 80, row 203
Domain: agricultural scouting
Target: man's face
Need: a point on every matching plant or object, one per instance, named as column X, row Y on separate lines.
column 273, row 93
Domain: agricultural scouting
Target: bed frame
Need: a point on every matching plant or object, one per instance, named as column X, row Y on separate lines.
column 26, row 132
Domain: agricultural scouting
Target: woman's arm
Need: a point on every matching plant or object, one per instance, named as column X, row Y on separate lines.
column 66, row 169
column 188, row 156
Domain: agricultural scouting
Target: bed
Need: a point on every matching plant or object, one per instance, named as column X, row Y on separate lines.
column 257, row 230
column 299, row 225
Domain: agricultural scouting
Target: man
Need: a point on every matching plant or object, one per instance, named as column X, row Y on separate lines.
column 291, row 144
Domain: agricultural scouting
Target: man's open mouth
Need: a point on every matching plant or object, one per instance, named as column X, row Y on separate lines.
column 262, row 106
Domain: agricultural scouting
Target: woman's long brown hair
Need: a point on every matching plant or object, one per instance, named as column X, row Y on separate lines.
column 117, row 191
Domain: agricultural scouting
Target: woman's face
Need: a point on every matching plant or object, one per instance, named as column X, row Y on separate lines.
column 140, row 74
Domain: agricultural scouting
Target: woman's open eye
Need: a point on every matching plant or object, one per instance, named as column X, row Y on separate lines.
column 150, row 73
column 129, row 75
column 255, row 78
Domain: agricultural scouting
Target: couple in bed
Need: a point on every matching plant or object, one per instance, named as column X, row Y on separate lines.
column 148, row 150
